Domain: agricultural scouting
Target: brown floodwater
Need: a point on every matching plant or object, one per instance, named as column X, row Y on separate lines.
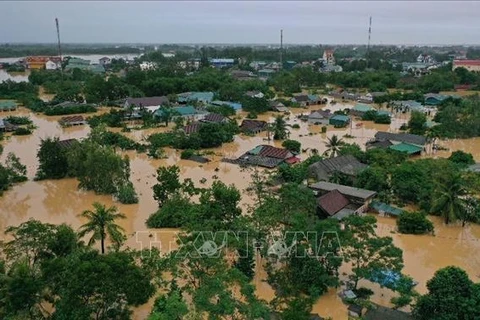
column 60, row 201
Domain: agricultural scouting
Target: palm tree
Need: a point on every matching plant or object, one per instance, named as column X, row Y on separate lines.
column 280, row 129
column 101, row 222
column 333, row 145
column 450, row 198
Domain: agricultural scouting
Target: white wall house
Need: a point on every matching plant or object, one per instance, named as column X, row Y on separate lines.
column 50, row 65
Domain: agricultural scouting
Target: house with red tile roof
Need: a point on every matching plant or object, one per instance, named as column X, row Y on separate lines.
column 265, row 156
column 470, row 65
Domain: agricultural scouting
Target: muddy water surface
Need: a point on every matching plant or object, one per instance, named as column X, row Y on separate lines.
column 60, row 201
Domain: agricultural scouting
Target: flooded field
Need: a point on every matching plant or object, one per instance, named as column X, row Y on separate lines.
column 60, row 201
column 14, row 76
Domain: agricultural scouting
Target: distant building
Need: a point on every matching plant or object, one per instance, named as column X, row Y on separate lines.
column 265, row 73
column 328, row 56
column 149, row 103
column 104, row 61
column 8, row 105
column 222, row 63
column 360, row 109
column 51, row 65
column 168, row 54
column 72, row 121
column 255, row 94
column 147, row 65
column 214, row 118
column 470, row 65
column 412, row 144
column 39, row 62
column 203, row 97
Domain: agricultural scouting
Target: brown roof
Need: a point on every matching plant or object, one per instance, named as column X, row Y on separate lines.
column 67, row 143
column 333, row 202
column 273, row 152
column 248, row 124
column 72, row 119
column 148, row 101
column 214, row 117
column 192, row 128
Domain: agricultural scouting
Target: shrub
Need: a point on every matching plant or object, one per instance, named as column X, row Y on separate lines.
column 22, row 132
column 324, row 129
column 296, row 126
column 126, row 193
column 18, row 120
column 252, row 115
column 292, row 145
column 414, row 223
column 187, row 154
column 462, row 158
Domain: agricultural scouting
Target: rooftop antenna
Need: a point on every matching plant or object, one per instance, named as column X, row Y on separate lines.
column 369, row 36
column 281, row 48
column 59, row 46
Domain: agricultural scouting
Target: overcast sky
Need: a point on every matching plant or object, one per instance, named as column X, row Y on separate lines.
column 318, row 22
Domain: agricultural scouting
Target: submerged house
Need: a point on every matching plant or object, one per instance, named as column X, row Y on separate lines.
column 203, row 97
column 407, row 105
column 214, row 118
column 405, row 142
column 305, row 100
column 278, row 106
column 319, row 117
column 72, row 121
column 234, row 105
column 265, row 156
column 339, row 201
column 8, row 105
column 339, row 120
column 434, row 99
column 324, row 169
column 360, row 109
column 187, row 112
column 149, row 103
column 253, row 126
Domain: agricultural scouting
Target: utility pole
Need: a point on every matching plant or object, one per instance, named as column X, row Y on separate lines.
column 368, row 45
column 59, row 46
column 281, row 49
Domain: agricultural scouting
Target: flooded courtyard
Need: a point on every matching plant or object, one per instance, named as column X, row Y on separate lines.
column 60, row 201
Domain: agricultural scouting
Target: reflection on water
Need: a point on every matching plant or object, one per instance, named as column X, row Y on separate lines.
column 60, row 201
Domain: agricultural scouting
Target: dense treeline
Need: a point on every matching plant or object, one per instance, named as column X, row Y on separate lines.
column 458, row 118
column 21, row 50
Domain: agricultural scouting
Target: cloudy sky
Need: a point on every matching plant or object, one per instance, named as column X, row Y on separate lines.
column 406, row 22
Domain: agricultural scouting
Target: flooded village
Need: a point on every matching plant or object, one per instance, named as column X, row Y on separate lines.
column 299, row 182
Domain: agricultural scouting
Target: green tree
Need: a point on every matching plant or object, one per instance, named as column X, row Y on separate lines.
column 292, row 145
column 280, row 129
column 168, row 183
column 333, row 145
column 368, row 252
column 87, row 285
column 414, row 223
column 462, row 158
column 167, row 114
column 451, row 295
column 449, row 195
column 102, row 224
column 97, row 167
column 53, row 160
column 417, row 121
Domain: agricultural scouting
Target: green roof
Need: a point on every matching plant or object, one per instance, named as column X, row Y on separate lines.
column 363, row 107
column 183, row 111
column 405, row 147
column 256, row 150
column 380, row 206
column 78, row 61
column 7, row 105
column 340, row 117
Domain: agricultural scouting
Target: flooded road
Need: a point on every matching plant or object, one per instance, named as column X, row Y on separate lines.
column 60, row 201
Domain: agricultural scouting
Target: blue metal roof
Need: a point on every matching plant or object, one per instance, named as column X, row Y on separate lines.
column 235, row 105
